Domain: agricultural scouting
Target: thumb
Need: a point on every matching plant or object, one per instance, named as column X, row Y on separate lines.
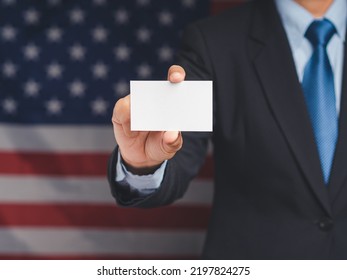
column 176, row 74
column 172, row 141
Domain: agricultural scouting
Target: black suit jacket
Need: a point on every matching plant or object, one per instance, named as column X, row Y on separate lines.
column 270, row 199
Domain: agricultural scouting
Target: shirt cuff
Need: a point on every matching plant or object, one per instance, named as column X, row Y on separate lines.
column 141, row 183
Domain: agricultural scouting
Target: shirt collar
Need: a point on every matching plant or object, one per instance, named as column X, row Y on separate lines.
column 337, row 14
column 297, row 19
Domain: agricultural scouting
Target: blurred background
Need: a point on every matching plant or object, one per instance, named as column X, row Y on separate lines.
column 63, row 65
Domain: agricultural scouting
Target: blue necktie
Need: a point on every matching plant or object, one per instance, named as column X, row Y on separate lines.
column 318, row 87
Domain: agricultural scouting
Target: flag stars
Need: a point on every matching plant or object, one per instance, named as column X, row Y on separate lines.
column 99, row 106
column 143, row 2
column 77, row 88
column 54, row 106
column 31, row 16
column 165, row 18
column 99, row 2
column 144, row 71
column 77, row 52
column 122, row 52
column 31, row 52
column 8, row 33
column 77, row 16
column 31, row 88
column 54, row 34
column 100, row 70
column 143, row 35
column 121, row 16
column 9, row 69
column 99, row 34
column 165, row 54
column 8, row 2
column 54, row 70
column 121, row 88
column 54, row 2
column 188, row 3
column 9, row 106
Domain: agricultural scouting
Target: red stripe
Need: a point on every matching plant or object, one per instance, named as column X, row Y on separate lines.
column 28, row 163
column 103, row 216
column 67, row 164
column 33, row 256
column 220, row 5
column 207, row 170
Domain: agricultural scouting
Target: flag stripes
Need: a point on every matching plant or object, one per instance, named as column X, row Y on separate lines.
column 61, row 71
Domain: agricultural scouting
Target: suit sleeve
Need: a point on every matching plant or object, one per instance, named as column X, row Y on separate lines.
column 185, row 165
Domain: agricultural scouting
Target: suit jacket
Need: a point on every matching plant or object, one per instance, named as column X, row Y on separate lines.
column 270, row 200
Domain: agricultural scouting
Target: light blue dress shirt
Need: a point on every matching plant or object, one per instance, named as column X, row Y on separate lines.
column 296, row 20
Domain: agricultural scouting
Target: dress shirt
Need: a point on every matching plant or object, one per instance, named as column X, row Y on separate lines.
column 296, row 20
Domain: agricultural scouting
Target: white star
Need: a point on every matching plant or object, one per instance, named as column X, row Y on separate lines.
column 77, row 88
column 31, row 88
column 99, row 2
column 77, row 52
column 188, row 3
column 9, row 105
column 54, row 34
column 54, row 106
column 121, row 16
column 54, row 70
column 54, row 2
column 122, row 52
column 165, row 18
column 9, row 69
column 143, row 34
column 99, row 34
column 31, row 51
column 165, row 53
column 100, row 70
column 143, row 2
column 99, row 106
column 121, row 88
column 8, row 2
column 77, row 16
column 8, row 33
column 144, row 71
column 31, row 16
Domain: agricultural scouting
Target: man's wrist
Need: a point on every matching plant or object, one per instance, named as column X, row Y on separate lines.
column 141, row 170
column 142, row 183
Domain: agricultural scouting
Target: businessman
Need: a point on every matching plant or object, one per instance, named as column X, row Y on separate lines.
column 280, row 132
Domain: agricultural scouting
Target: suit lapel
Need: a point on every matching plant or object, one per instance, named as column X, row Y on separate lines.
column 275, row 67
column 339, row 170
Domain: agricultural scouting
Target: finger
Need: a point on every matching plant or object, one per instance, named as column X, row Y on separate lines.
column 176, row 74
column 121, row 112
column 121, row 116
column 172, row 141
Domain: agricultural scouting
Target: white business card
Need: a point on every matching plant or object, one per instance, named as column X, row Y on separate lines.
column 165, row 106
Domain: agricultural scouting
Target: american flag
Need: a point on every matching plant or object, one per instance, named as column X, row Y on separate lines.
column 63, row 65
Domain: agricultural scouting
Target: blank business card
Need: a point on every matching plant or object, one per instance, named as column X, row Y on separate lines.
column 164, row 106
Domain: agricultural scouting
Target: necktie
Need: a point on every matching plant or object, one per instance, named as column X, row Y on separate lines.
column 318, row 87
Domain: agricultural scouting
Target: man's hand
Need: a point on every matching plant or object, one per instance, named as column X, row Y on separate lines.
column 144, row 151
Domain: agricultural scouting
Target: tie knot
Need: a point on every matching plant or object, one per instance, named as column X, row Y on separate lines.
column 320, row 32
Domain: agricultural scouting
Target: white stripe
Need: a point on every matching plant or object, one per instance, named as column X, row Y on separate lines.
column 60, row 138
column 53, row 241
column 57, row 138
column 31, row 189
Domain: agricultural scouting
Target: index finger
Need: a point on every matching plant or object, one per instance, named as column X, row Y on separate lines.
column 121, row 112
